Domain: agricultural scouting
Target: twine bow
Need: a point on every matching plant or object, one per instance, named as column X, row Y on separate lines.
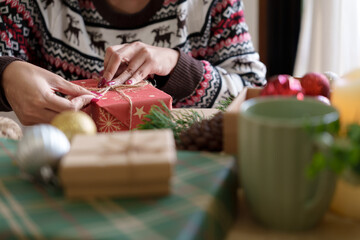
column 119, row 88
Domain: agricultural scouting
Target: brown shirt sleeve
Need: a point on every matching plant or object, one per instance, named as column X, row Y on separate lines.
column 4, row 62
column 185, row 77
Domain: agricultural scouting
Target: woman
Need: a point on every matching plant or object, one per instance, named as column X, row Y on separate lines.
column 198, row 51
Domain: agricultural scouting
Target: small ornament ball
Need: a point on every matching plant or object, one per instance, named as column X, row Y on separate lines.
column 41, row 146
column 314, row 84
column 282, row 84
column 72, row 123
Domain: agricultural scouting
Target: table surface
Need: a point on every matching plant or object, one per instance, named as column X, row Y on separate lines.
column 201, row 205
column 333, row 226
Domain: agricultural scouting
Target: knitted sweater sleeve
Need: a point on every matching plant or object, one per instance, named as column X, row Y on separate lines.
column 16, row 40
column 220, row 66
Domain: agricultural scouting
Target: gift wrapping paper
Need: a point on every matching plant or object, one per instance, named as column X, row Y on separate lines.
column 114, row 112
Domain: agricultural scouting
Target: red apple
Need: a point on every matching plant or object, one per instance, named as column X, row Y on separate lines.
column 314, row 84
column 282, row 85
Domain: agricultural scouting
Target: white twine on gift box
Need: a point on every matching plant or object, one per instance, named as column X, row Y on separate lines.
column 119, row 89
column 128, row 146
column 123, row 144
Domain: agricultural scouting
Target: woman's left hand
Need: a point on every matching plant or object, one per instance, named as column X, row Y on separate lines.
column 132, row 62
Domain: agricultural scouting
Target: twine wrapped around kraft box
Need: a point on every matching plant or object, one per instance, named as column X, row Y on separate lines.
column 123, row 107
column 121, row 164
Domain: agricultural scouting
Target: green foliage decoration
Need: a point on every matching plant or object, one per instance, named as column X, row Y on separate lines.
column 162, row 117
column 337, row 153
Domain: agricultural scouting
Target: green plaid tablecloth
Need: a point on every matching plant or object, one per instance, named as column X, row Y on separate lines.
column 201, row 206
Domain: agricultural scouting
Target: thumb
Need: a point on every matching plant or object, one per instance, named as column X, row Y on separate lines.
column 81, row 101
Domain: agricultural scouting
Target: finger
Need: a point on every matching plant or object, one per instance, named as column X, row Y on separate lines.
column 81, row 101
column 133, row 70
column 59, row 104
column 70, row 88
column 109, row 52
column 112, row 61
column 112, row 67
column 140, row 74
column 120, row 70
column 119, row 60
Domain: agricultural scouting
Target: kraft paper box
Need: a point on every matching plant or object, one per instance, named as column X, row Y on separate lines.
column 119, row 160
column 203, row 112
column 231, row 118
column 114, row 112
column 127, row 190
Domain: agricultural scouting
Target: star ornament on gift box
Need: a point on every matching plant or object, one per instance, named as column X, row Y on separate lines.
column 107, row 123
column 139, row 112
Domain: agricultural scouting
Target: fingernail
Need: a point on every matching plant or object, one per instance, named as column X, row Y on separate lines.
column 129, row 82
column 111, row 83
column 94, row 100
column 102, row 82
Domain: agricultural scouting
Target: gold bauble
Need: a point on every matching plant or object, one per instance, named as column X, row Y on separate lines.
column 72, row 123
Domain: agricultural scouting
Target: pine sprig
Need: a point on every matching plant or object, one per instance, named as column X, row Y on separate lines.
column 223, row 104
column 179, row 122
column 160, row 117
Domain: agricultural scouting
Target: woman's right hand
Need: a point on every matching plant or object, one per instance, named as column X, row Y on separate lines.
column 30, row 91
column 131, row 63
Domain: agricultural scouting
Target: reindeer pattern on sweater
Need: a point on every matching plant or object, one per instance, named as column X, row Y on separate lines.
column 69, row 38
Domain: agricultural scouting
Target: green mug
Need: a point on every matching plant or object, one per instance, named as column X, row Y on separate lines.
column 274, row 151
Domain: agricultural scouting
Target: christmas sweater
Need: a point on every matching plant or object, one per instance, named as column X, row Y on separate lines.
column 69, row 38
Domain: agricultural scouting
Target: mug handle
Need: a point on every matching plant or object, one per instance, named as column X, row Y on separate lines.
column 322, row 190
column 322, row 143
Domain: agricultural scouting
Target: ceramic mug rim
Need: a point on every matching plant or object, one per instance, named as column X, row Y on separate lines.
column 331, row 116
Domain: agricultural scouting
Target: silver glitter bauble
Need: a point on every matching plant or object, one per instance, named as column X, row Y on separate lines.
column 41, row 146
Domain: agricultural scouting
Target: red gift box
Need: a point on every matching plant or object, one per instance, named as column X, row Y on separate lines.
column 114, row 111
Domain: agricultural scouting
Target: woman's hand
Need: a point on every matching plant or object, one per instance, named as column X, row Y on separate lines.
column 133, row 62
column 30, row 91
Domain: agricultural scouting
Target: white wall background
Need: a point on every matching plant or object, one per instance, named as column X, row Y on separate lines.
column 329, row 37
column 252, row 19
